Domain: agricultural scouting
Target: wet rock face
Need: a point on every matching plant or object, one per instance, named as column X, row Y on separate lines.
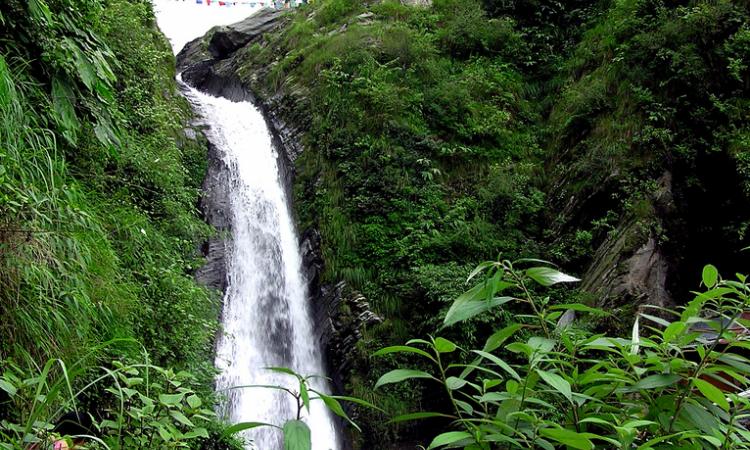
column 339, row 314
column 630, row 267
column 214, row 207
column 342, row 315
column 221, row 42
column 208, row 64
column 230, row 38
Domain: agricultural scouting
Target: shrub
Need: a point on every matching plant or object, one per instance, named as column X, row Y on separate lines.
column 671, row 384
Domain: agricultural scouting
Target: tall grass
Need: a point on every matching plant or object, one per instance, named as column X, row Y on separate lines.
column 99, row 226
column 52, row 255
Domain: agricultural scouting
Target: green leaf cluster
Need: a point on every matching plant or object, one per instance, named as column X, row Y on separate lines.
column 677, row 382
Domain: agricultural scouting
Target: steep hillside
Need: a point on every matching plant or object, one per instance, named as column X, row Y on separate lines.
column 99, row 228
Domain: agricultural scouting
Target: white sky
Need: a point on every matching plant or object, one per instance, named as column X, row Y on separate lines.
column 183, row 21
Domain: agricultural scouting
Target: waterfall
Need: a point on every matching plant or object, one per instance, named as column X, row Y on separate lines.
column 266, row 321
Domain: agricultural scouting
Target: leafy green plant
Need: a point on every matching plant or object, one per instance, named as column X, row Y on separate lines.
column 296, row 432
column 138, row 405
column 672, row 384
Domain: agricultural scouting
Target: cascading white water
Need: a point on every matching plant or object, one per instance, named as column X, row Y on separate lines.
column 266, row 321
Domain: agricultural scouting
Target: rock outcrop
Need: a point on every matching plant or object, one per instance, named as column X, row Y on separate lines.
column 630, row 268
column 214, row 207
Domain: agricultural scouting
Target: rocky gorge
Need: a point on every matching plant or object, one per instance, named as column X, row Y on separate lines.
column 209, row 64
column 349, row 94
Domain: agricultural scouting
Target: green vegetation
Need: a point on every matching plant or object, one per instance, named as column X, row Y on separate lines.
column 99, row 229
column 581, row 132
column 435, row 137
column 139, row 406
column 677, row 387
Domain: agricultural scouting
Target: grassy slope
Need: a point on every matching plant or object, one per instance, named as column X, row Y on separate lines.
column 440, row 137
column 420, row 155
column 655, row 88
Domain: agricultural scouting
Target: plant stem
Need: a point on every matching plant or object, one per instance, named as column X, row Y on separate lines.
column 450, row 393
column 698, row 370
column 530, row 300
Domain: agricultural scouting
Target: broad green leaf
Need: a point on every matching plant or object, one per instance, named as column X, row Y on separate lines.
column 444, row 345
column 567, row 437
column 164, row 433
column 497, row 437
column 40, row 11
column 681, row 434
column 171, row 399
column 480, row 268
column 336, row 408
column 712, row 393
column 560, row 384
column 402, row 349
column 497, row 338
column 418, row 416
column 283, row 370
column 657, row 320
column 638, row 423
column 242, row 426
column 106, row 134
column 448, row 438
column 196, row 432
column 454, row 383
column 738, row 362
column 673, row 330
column 194, row 401
column 7, row 387
column 498, row 362
column 65, row 114
column 597, row 421
column 304, row 395
column 710, row 276
column 547, row 276
column 543, row 444
column 700, row 417
column 652, row 382
column 297, row 436
column 716, row 442
column 468, row 305
column 398, row 375
column 180, row 417
column 86, row 72
column 358, row 401
column 466, row 407
column 541, row 344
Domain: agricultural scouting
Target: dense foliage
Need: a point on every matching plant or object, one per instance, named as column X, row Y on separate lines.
column 584, row 132
column 672, row 384
column 435, row 137
column 98, row 226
